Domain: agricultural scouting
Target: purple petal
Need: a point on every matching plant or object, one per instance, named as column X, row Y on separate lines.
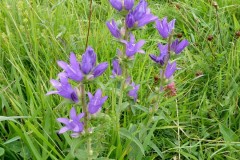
column 80, row 116
column 63, row 65
column 63, row 120
column 88, row 60
column 170, row 69
column 117, row 4
column 73, row 113
column 63, row 129
column 113, row 28
column 73, row 61
column 98, row 94
column 130, row 21
column 147, row 18
column 128, row 4
column 140, row 10
column 139, row 45
column 55, row 83
column 116, row 67
column 52, row 92
column 180, row 47
column 154, row 58
column 90, row 96
column 100, row 69
column 104, row 99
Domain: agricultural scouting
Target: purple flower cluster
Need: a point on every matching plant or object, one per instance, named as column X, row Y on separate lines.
column 134, row 17
column 77, row 71
column 137, row 16
column 165, row 29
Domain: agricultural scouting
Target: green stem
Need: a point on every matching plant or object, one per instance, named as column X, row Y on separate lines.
column 86, row 124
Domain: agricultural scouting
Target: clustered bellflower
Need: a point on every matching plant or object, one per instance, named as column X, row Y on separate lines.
column 96, row 101
column 164, row 28
column 77, row 71
column 140, row 16
column 88, row 65
column 170, row 69
column 133, row 92
column 178, row 47
column 117, row 71
column 163, row 54
column 64, row 89
column 122, row 4
column 113, row 28
column 73, row 124
column 132, row 48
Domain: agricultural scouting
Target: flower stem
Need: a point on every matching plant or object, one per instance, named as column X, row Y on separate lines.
column 89, row 23
column 86, row 119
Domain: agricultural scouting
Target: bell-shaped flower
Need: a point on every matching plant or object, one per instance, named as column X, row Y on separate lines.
column 113, row 28
column 88, row 65
column 170, row 69
column 122, row 4
column 164, row 28
column 132, row 48
column 99, row 69
column 178, row 46
column 88, row 60
column 128, row 4
column 95, row 102
column 163, row 54
column 134, row 91
column 117, row 71
column 117, row 4
column 73, row 69
column 140, row 16
column 64, row 89
column 73, row 124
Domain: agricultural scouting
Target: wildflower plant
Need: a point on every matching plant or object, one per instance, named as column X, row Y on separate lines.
column 82, row 72
column 133, row 17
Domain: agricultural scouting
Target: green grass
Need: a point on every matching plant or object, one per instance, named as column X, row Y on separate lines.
column 35, row 34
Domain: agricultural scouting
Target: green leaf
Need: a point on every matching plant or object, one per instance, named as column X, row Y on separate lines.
column 236, row 23
column 227, row 133
column 2, row 151
column 125, row 133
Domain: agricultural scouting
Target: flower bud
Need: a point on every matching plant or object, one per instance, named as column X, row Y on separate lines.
column 215, row 5
column 237, row 34
column 210, row 38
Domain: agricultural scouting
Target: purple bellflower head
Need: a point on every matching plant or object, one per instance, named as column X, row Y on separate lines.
column 99, row 69
column 73, row 124
column 113, row 28
column 88, row 64
column 132, row 48
column 178, row 47
column 133, row 92
column 88, row 60
column 117, row 71
column 140, row 16
column 95, row 102
column 122, row 4
column 73, row 69
column 64, row 89
column 164, row 28
column 163, row 54
column 170, row 69
column 117, row 4
column 128, row 4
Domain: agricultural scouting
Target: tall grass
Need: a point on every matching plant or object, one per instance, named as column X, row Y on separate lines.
column 201, row 122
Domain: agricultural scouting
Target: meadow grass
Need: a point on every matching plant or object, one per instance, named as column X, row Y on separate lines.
column 201, row 122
